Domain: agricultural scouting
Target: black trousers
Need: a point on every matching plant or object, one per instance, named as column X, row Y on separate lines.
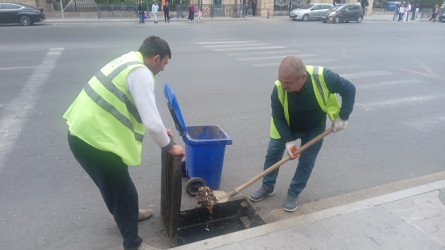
column 166, row 17
column 111, row 176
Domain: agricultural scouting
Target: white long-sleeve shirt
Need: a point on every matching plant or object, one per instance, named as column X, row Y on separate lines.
column 140, row 84
column 154, row 8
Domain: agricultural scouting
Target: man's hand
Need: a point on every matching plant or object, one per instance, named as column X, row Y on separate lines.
column 291, row 149
column 176, row 150
column 339, row 124
column 169, row 132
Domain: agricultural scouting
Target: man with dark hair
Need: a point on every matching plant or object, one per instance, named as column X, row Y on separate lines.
column 301, row 99
column 107, row 123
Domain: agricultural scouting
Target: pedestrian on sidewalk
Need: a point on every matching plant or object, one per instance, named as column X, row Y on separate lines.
column 416, row 11
column 396, row 13
column 154, row 10
column 364, row 4
column 401, row 12
column 243, row 4
column 253, row 7
column 299, row 108
column 166, row 10
column 199, row 19
column 141, row 12
column 107, row 123
column 434, row 13
column 191, row 12
column 407, row 11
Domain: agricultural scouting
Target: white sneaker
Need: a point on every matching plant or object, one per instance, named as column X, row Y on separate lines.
column 144, row 214
column 144, row 246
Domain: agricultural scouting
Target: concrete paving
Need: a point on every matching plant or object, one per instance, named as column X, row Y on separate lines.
column 410, row 219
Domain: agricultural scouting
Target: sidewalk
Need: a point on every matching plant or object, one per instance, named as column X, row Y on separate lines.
column 410, row 219
column 83, row 19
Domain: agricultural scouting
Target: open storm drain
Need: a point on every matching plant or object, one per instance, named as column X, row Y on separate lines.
column 184, row 227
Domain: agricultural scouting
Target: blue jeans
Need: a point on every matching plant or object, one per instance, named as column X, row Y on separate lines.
column 141, row 18
column 305, row 165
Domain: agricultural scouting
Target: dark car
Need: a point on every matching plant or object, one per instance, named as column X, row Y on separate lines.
column 442, row 17
column 344, row 13
column 20, row 13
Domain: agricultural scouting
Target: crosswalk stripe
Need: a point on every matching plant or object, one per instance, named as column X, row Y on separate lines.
column 263, row 52
column 388, row 83
column 235, row 45
column 397, row 102
column 342, row 67
column 425, row 124
column 12, row 68
column 259, row 65
column 224, row 42
column 17, row 112
column 319, row 61
column 250, row 48
column 366, row 74
column 268, row 57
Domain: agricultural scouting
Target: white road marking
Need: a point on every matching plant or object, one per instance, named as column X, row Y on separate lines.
column 16, row 113
column 398, row 102
column 13, row 68
column 270, row 57
column 259, row 65
column 426, row 124
column 366, row 74
column 224, row 42
column 382, row 84
column 319, row 61
column 235, row 45
column 264, row 52
column 251, row 48
column 343, row 67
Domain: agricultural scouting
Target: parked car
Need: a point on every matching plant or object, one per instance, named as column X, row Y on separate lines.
column 344, row 13
column 310, row 11
column 442, row 17
column 20, row 13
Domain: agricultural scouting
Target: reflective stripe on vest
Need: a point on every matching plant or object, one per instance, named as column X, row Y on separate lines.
column 328, row 105
column 328, row 101
column 104, row 114
column 106, row 81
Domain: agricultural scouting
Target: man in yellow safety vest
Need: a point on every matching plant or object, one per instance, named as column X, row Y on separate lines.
column 107, row 123
column 301, row 99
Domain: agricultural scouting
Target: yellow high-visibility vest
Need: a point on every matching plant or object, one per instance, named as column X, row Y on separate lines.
column 104, row 114
column 328, row 101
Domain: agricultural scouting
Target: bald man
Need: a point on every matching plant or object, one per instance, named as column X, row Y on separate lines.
column 302, row 98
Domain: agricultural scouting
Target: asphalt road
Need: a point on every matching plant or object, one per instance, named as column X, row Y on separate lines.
column 223, row 74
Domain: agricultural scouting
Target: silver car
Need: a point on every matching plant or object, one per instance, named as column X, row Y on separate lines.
column 310, row 11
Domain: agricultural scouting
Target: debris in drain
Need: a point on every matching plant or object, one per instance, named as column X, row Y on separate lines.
column 206, row 198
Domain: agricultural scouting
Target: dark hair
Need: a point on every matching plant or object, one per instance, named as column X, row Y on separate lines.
column 154, row 45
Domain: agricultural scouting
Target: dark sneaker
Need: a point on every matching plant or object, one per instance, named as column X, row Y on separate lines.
column 261, row 193
column 290, row 204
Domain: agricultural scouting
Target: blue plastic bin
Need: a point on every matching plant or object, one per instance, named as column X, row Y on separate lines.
column 204, row 145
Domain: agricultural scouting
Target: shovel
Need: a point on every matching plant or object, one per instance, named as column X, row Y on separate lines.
column 223, row 196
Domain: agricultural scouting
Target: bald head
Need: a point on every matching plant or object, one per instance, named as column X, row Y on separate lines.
column 292, row 74
column 292, row 65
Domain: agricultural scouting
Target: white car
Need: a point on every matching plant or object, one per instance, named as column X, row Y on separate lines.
column 310, row 11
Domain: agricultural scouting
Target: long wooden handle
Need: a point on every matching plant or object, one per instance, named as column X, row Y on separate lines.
column 281, row 162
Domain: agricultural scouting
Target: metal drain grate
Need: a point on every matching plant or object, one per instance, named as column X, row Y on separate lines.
column 171, row 191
